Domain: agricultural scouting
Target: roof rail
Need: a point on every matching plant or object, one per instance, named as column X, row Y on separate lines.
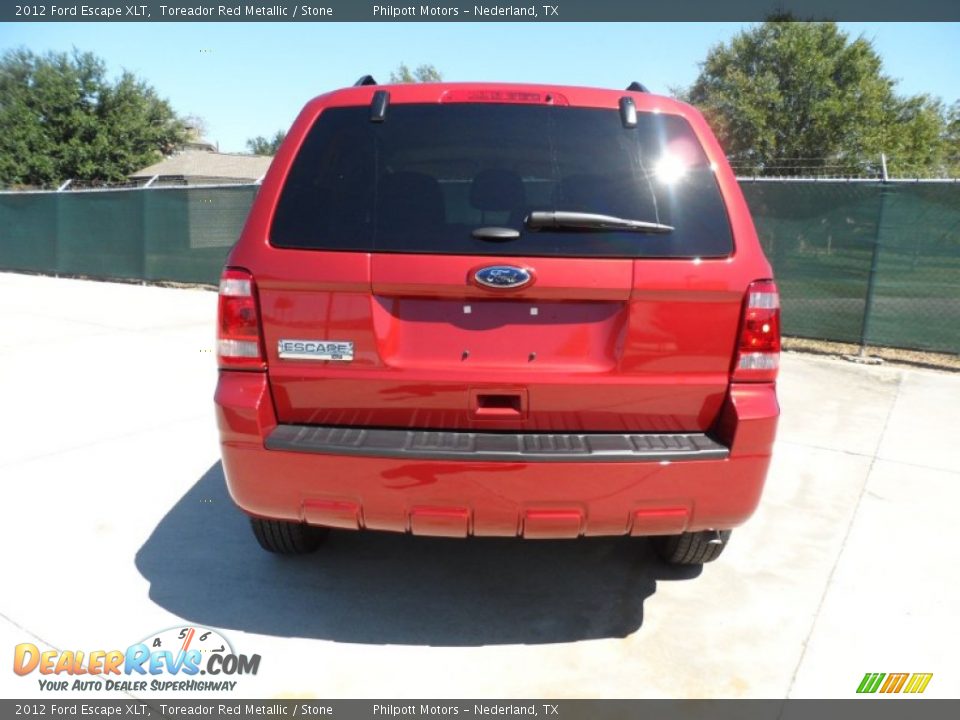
column 637, row 87
column 365, row 80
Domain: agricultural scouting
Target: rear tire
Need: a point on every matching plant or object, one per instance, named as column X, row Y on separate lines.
column 691, row 548
column 287, row 538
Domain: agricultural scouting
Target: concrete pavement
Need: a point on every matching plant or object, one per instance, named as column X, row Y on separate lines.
column 115, row 524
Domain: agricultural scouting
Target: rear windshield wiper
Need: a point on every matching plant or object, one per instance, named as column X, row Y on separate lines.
column 568, row 220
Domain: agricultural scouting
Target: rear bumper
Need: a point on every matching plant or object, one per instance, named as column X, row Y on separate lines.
column 440, row 489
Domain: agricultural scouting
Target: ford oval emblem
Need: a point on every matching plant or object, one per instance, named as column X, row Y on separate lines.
column 503, row 276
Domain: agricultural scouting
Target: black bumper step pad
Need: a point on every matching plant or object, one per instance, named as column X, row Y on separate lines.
column 496, row 446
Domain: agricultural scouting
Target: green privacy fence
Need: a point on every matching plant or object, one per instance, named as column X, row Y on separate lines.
column 175, row 234
column 870, row 262
column 864, row 262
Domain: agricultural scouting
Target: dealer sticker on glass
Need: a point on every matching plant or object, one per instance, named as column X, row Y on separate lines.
column 315, row 350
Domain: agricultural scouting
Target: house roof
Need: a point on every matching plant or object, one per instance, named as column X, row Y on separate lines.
column 199, row 163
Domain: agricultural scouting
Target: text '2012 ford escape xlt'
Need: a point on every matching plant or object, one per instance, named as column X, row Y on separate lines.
column 498, row 310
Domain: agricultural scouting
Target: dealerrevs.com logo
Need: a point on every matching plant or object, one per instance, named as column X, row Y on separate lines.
column 180, row 659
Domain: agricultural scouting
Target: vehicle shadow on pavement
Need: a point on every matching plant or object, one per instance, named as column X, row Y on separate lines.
column 204, row 565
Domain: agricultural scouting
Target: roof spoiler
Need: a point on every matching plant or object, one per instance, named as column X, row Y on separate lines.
column 369, row 80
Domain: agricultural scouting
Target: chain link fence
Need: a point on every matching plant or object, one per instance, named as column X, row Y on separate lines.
column 876, row 263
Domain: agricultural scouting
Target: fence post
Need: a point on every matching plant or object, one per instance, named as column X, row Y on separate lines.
column 56, row 236
column 144, row 229
column 874, row 261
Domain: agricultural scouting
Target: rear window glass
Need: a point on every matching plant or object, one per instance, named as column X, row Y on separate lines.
column 426, row 177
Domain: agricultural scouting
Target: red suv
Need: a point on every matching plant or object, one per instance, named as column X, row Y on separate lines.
column 498, row 310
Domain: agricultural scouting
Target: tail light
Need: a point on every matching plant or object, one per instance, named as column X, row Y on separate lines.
column 239, row 345
column 758, row 351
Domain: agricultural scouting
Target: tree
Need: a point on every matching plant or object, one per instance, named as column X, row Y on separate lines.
column 62, row 118
column 263, row 146
column 916, row 138
column 800, row 98
column 195, row 126
column 953, row 140
column 422, row 74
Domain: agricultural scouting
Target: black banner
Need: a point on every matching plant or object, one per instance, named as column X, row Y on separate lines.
column 453, row 11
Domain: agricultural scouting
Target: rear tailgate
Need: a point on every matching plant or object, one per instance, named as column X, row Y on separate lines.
column 642, row 346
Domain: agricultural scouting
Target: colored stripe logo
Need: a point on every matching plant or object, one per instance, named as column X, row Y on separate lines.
column 894, row 682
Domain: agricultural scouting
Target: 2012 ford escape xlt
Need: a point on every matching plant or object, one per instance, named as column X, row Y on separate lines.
column 498, row 310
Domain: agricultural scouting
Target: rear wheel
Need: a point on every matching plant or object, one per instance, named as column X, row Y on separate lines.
column 287, row 538
column 692, row 548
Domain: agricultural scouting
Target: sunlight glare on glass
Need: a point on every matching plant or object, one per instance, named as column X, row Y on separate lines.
column 670, row 168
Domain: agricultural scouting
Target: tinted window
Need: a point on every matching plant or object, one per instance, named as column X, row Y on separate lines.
column 430, row 174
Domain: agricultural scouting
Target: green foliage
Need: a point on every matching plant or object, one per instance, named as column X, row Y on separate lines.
column 916, row 138
column 953, row 139
column 62, row 118
column 423, row 73
column 804, row 98
column 264, row 146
